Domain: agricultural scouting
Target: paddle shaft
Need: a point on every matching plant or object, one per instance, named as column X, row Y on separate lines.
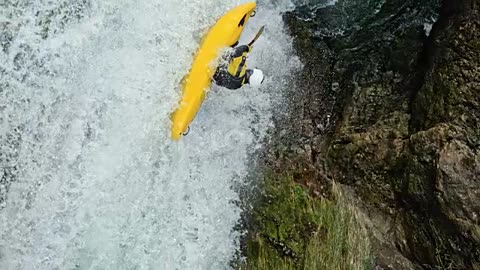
column 259, row 33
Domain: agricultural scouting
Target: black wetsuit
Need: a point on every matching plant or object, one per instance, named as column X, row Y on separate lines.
column 233, row 73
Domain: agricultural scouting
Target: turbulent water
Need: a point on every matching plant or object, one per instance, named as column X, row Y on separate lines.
column 89, row 176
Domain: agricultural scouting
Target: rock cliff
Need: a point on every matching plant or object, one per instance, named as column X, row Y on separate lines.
column 388, row 105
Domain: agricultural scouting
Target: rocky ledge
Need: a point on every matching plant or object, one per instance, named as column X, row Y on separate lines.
column 388, row 105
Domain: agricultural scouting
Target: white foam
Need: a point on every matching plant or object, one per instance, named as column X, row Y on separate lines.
column 99, row 184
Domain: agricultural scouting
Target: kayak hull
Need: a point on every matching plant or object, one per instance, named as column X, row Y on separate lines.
column 226, row 32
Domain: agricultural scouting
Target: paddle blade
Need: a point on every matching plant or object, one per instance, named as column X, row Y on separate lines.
column 259, row 33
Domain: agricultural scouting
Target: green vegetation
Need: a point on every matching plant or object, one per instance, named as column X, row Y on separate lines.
column 295, row 230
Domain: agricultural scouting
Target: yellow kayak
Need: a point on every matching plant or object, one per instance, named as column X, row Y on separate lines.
column 226, row 32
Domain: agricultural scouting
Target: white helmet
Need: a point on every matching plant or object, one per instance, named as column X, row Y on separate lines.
column 256, row 79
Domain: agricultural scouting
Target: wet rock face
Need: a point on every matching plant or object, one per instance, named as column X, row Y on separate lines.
column 389, row 104
column 458, row 193
column 445, row 131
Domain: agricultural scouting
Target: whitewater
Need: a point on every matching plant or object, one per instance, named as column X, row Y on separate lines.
column 89, row 178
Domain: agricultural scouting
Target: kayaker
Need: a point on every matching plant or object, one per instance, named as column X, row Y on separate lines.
column 232, row 72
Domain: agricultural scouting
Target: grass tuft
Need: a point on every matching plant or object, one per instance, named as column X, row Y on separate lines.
column 298, row 231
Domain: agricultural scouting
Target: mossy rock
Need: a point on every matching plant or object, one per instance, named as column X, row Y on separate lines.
column 295, row 230
column 286, row 214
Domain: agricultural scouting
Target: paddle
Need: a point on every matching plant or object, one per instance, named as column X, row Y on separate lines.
column 259, row 33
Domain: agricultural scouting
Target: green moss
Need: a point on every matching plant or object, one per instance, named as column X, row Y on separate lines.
column 298, row 231
column 286, row 213
column 261, row 255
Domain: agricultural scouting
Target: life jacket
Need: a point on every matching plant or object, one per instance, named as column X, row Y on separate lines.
column 232, row 75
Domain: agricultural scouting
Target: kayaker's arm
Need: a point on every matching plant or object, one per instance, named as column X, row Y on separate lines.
column 238, row 51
